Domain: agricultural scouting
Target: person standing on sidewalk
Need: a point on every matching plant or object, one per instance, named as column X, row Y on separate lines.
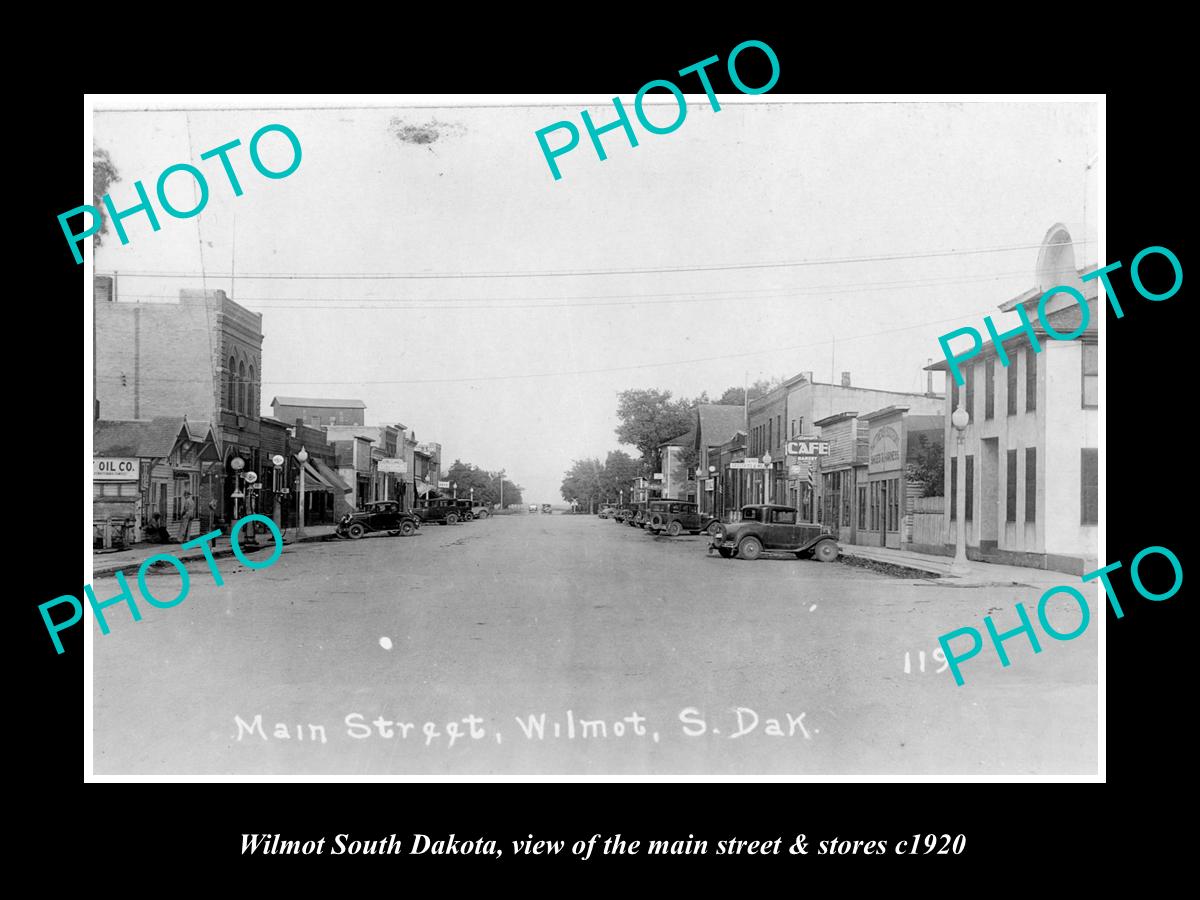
column 186, row 515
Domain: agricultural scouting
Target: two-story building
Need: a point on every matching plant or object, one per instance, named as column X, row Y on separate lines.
column 715, row 424
column 199, row 356
column 318, row 411
column 1031, row 447
column 674, row 472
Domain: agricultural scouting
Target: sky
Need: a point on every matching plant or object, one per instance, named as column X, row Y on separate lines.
column 762, row 213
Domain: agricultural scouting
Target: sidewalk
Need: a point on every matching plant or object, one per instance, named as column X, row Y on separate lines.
column 127, row 561
column 982, row 574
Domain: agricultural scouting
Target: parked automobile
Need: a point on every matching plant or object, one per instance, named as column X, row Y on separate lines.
column 533, row 507
column 674, row 517
column 636, row 513
column 480, row 511
column 769, row 527
column 547, row 508
column 465, row 510
column 385, row 515
column 607, row 512
column 442, row 510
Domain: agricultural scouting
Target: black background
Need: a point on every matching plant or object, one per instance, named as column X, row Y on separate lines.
column 1008, row 826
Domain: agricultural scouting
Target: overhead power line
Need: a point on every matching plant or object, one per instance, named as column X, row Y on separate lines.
column 430, row 303
column 653, row 365
column 381, row 276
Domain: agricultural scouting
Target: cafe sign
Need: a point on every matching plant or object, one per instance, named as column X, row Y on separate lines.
column 112, row 468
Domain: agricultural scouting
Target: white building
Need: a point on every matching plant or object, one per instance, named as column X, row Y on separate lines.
column 1031, row 451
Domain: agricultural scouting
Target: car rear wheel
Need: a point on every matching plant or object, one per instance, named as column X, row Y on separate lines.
column 725, row 552
column 826, row 551
column 750, row 548
column 407, row 528
column 483, row 514
column 356, row 530
column 452, row 519
column 674, row 529
column 713, row 528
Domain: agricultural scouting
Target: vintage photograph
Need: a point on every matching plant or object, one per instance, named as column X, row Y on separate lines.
column 530, row 439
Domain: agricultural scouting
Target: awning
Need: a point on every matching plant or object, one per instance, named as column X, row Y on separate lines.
column 331, row 477
column 313, row 480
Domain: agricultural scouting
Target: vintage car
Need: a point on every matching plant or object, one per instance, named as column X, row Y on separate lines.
column 547, row 508
column 385, row 515
column 636, row 511
column 674, row 517
column 607, row 512
column 533, row 507
column 767, row 527
column 466, row 510
column 479, row 511
column 442, row 510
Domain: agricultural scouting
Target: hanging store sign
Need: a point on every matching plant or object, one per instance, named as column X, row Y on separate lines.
column 393, row 464
column 748, row 464
column 812, row 447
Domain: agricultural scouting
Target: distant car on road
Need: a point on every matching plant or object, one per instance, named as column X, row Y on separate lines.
column 547, row 508
column 674, row 517
column 441, row 510
column 533, row 507
column 384, row 515
column 768, row 527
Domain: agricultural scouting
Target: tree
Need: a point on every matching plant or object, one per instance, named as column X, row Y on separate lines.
column 485, row 485
column 620, row 472
column 735, row 396
column 928, row 469
column 582, row 482
column 104, row 174
column 649, row 417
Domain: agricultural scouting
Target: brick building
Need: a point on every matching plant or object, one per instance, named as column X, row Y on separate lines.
column 316, row 411
column 199, row 356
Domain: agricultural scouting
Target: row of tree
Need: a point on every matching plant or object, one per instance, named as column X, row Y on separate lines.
column 648, row 418
column 483, row 486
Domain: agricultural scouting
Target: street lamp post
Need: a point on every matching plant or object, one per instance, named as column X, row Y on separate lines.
column 960, row 420
column 302, row 458
column 454, row 488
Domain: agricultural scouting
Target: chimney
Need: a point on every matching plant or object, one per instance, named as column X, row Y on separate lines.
column 808, row 376
column 845, row 379
column 929, row 378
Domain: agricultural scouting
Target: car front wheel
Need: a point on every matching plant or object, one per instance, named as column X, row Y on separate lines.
column 826, row 551
column 452, row 519
column 674, row 529
column 750, row 548
column 356, row 530
column 407, row 528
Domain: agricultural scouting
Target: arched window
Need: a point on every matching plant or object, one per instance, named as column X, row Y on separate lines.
column 252, row 393
column 231, row 379
column 241, row 391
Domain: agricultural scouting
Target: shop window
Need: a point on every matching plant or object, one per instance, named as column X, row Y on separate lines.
column 1031, row 484
column 953, row 488
column 894, row 497
column 1091, row 375
column 847, row 496
column 1011, row 377
column 1089, row 488
column 1030, row 380
column 241, row 391
column 970, row 488
column 989, row 389
column 1010, row 485
column 862, row 507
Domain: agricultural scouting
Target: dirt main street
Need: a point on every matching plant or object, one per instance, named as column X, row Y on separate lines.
column 569, row 644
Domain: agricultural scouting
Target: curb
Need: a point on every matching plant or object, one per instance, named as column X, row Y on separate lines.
column 101, row 572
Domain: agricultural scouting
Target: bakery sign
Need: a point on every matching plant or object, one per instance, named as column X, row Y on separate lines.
column 885, row 449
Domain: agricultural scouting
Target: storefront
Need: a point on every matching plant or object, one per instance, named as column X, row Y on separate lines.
column 142, row 472
column 885, row 465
